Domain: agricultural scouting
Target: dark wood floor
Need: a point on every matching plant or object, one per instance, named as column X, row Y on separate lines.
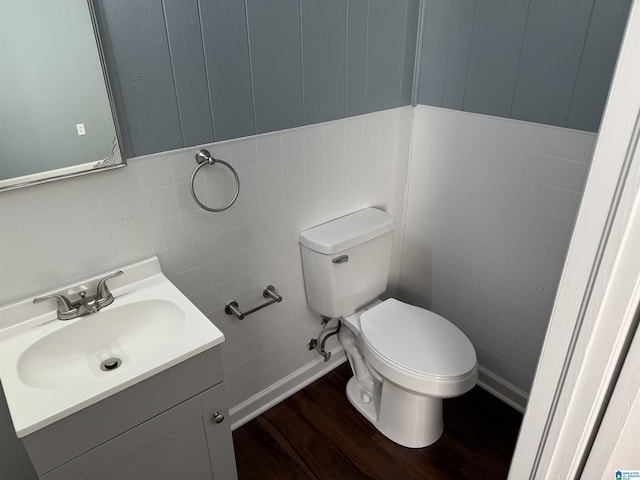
column 317, row 434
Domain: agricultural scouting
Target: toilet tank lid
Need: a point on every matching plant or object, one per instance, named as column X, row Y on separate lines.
column 348, row 231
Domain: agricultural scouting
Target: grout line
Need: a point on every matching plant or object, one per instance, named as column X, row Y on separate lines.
column 447, row 58
column 403, row 59
column 515, row 82
column 253, row 92
column 466, row 70
column 301, row 61
column 366, row 62
column 206, row 71
column 346, row 58
column 584, row 44
column 173, row 70
column 417, row 61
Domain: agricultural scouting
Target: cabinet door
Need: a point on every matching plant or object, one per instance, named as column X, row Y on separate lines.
column 219, row 438
column 101, row 422
column 181, row 443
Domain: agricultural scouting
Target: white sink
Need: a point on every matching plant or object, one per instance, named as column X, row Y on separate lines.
column 51, row 368
column 72, row 356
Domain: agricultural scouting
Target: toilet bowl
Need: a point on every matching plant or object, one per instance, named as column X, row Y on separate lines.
column 405, row 359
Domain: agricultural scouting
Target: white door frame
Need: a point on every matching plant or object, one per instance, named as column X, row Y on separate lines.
column 592, row 320
column 616, row 446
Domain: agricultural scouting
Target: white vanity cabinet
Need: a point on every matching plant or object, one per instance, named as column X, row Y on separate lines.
column 173, row 425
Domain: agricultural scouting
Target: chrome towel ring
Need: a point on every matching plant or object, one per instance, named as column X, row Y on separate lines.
column 203, row 157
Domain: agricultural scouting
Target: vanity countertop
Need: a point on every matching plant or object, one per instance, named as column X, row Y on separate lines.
column 51, row 368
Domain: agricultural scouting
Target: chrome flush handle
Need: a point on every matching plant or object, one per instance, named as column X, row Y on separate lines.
column 341, row 259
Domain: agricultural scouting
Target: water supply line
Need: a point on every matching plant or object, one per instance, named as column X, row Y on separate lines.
column 319, row 346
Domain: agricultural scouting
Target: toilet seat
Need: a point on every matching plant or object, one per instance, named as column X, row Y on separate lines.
column 417, row 349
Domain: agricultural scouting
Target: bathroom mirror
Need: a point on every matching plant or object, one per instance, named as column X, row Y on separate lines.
column 56, row 111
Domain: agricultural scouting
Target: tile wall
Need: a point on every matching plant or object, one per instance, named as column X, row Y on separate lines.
column 490, row 211
column 291, row 180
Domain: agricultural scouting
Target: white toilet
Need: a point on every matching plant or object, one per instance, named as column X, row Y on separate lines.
column 405, row 359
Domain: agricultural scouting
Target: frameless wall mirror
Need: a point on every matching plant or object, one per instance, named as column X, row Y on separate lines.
column 56, row 112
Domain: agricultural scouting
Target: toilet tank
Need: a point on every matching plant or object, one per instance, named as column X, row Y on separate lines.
column 346, row 261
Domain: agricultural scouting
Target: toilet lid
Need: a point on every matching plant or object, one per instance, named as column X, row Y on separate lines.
column 417, row 340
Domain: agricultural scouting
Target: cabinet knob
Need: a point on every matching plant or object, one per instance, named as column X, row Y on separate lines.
column 217, row 417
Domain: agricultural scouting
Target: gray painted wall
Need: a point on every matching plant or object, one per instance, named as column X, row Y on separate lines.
column 187, row 72
column 544, row 61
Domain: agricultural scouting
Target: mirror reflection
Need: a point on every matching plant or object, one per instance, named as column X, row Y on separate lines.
column 55, row 111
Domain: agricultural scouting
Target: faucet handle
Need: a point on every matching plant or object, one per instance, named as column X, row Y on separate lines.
column 103, row 296
column 64, row 305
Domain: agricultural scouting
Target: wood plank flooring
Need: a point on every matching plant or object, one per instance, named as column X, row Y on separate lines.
column 317, row 434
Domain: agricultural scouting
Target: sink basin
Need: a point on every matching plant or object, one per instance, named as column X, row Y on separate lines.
column 72, row 356
column 51, row 369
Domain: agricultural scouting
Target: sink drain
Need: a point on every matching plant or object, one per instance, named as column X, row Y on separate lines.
column 110, row 364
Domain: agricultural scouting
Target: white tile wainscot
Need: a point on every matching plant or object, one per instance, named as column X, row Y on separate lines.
column 53, row 234
column 490, row 210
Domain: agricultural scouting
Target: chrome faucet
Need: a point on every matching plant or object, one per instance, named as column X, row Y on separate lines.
column 85, row 305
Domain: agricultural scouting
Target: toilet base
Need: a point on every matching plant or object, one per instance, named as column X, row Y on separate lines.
column 408, row 419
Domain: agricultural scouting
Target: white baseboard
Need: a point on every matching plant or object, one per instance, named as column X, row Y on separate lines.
column 501, row 389
column 271, row 396
column 274, row 394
